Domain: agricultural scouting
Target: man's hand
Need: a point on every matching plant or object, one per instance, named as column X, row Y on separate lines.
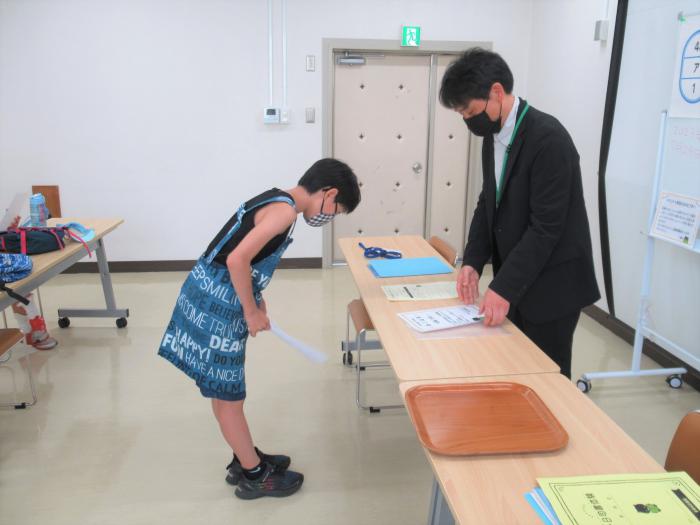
column 494, row 308
column 468, row 285
column 257, row 321
column 15, row 222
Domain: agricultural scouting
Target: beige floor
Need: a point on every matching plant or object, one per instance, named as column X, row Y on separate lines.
column 121, row 437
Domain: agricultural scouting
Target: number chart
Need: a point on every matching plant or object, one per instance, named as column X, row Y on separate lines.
column 685, row 99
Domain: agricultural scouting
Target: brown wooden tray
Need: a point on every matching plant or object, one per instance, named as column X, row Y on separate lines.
column 465, row 419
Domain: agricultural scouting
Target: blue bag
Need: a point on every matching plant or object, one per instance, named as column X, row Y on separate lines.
column 14, row 267
column 207, row 333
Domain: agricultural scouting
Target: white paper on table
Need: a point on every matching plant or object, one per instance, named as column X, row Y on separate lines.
column 462, row 332
column 421, row 291
column 442, row 318
column 308, row 351
column 14, row 210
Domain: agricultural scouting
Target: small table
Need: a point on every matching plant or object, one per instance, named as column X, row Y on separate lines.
column 506, row 351
column 491, row 489
column 48, row 265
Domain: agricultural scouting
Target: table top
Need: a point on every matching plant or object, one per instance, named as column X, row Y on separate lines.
column 490, row 489
column 494, row 351
column 42, row 263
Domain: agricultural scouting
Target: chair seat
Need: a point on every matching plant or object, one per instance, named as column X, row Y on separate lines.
column 360, row 317
column 9, row 337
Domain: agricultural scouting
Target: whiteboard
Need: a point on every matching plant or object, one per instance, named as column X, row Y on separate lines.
column 680, row 169
column 645, row 90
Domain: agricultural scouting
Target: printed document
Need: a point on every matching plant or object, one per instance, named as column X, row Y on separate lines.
column 421, row 292
column 442, row 318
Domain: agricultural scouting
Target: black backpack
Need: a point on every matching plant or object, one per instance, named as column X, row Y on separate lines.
column 32, row 241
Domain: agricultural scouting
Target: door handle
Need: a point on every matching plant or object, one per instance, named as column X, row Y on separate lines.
column 417, row 167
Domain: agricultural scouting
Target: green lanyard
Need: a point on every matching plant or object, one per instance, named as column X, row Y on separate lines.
column 499, row 189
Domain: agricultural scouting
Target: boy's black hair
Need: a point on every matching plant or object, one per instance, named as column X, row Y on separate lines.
column 333, row 173
column 472, row 75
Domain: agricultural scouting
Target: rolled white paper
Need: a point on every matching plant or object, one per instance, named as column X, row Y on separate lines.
column 308, row 351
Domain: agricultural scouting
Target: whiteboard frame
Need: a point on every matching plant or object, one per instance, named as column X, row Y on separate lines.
column 643, row 329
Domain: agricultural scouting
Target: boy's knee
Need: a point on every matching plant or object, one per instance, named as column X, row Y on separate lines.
column 222, row 404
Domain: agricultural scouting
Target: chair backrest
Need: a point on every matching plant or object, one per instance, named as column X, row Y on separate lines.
column 684, row 452
column 443, row 248
column 53, row 198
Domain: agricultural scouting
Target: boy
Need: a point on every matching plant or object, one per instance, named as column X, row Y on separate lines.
column 221, row 303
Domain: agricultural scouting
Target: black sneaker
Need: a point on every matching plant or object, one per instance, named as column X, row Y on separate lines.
column 273, row 482
column 235, row 471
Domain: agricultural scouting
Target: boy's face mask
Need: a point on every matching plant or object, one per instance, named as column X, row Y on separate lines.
column 321, row 218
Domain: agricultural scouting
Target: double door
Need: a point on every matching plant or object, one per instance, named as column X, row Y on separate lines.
column 410, row 154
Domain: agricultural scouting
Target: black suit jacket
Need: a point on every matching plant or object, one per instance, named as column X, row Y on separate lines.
column 538, row 237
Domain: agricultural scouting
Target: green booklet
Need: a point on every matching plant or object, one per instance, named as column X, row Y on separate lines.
column 629, row 499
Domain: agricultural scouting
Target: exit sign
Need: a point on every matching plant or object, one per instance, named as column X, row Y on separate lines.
column 410, row 36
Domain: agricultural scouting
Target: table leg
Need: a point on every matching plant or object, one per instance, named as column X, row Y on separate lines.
column 111, row 310
column 439, row 513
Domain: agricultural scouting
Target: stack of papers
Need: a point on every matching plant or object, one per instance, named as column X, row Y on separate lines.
column 630, row 499
column 421, row 292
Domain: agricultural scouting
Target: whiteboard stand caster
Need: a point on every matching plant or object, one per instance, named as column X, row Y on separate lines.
column 584, row 385
column 675, row 381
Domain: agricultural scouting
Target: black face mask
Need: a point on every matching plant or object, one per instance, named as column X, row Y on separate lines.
column 481, row 124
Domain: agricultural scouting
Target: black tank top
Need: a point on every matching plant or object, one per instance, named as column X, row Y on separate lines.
column 247, row 224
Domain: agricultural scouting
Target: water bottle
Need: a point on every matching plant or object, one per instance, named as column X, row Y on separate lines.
column 38, row 212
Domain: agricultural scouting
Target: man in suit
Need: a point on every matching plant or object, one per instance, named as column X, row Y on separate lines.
column 530, row 219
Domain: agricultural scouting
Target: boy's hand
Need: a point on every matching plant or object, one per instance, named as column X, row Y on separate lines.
column 15, row 222
column 257, row 321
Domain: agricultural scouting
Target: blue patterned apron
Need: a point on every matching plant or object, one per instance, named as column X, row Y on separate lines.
column 207, row 333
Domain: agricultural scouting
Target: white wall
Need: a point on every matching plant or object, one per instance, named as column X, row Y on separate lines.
column 151, row 109
column 568, row 78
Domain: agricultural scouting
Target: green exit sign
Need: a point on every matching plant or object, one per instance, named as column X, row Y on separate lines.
column 410, row 36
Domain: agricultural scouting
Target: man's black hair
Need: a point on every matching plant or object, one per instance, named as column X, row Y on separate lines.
column 471, row 77
column 333, row 173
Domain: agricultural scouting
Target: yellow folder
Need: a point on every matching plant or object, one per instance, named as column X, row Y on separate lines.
column 629, row 499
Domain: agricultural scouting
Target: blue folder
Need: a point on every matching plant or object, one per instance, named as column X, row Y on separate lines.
column 542, row 513
column 406, row 267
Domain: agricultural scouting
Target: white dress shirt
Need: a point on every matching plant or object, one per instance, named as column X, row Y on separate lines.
column 502, row 139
